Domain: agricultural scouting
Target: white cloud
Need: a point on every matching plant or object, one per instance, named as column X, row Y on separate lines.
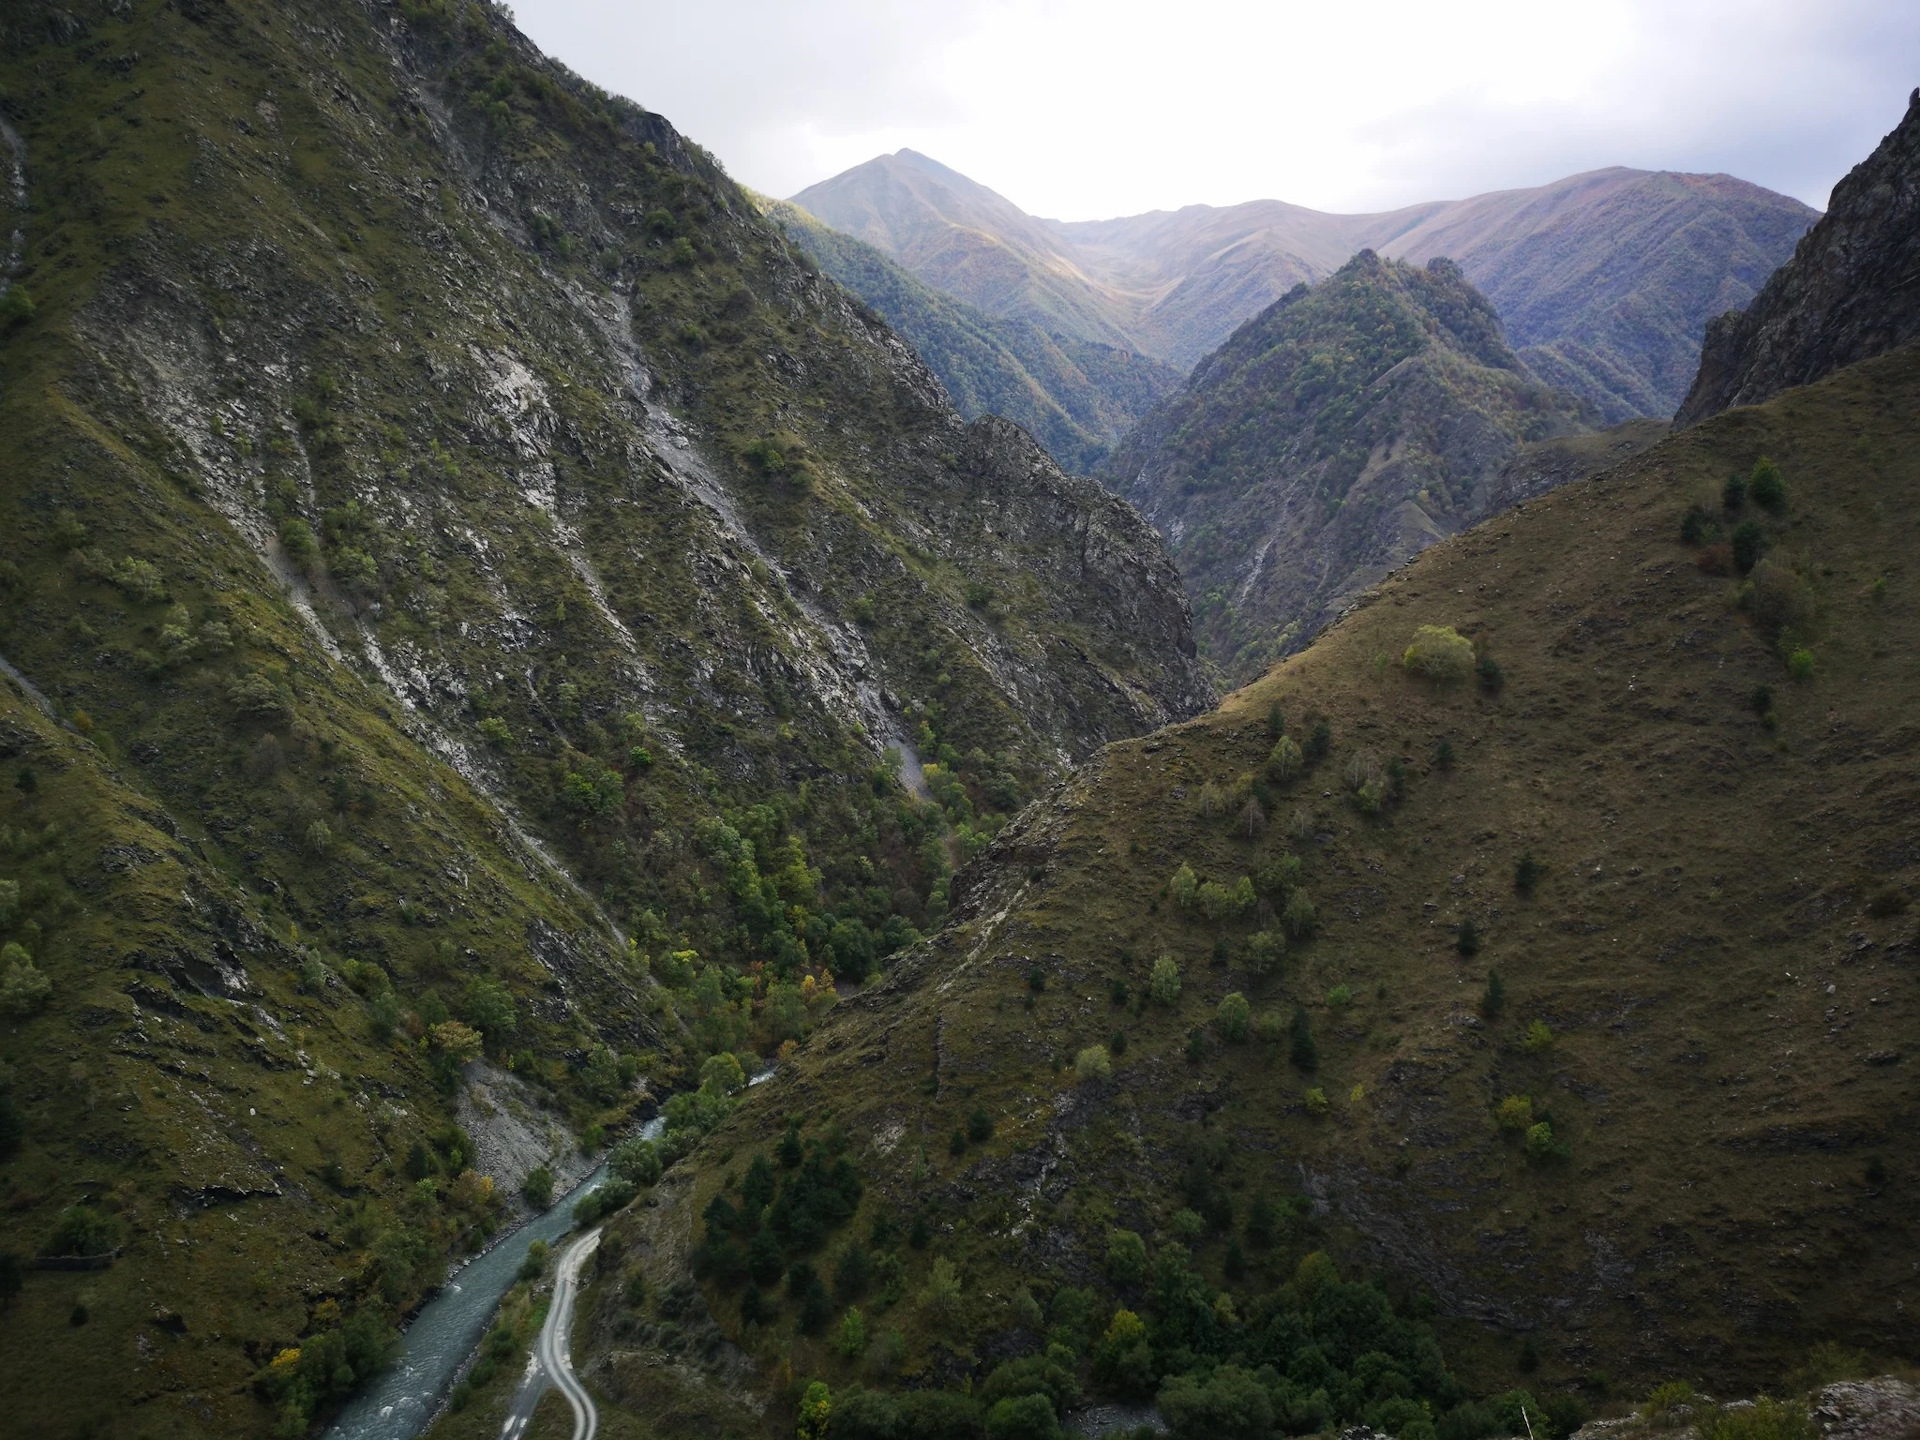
column 1087, row 108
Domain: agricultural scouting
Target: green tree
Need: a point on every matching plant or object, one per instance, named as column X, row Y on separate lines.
column 816, row 1412
column 1300, row 918
column 1466, row 939
column 764, row 1260
column 1284, row 761
column 24, row 988
column 940, row 1296
column 1515, row 1113
column 600, row 1078
column 1164, row 985
column 1022, row 1417
column 83, row 1230
column 1540, row 1141
column 1093, row 1063
column 853, row 1334
column 1539, row 1037
column 538, row 1187
column 1302, row 1050
column 1766, row 489
column 722, row 1075
column 1439, row 653
column 1126, row 1257
column 1494, row 998
column 1264, row 949
column 1184, row 886
column 488, row 1007
column 1233, row 1016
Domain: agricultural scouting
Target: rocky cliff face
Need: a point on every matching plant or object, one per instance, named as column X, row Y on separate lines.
column 1851, row 290
column 1343, row 430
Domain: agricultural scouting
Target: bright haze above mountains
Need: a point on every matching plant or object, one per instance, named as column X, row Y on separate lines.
column 1086, row 109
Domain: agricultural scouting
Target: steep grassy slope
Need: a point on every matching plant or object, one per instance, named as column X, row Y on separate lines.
column 1603, row 280
column 1708, row 1001
column 538, row 611
column 1342, row 430
column 1076, row 397
column 1847, row 294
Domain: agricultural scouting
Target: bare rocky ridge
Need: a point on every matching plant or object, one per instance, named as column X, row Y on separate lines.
column 1850, row 292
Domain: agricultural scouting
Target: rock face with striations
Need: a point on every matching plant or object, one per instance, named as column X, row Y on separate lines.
column 1850, row 292
column 1341, row 431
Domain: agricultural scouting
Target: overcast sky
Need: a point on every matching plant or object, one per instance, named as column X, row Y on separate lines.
column 1083, row 109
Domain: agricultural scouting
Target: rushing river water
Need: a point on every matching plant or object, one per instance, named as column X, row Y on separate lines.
column 398, row 1405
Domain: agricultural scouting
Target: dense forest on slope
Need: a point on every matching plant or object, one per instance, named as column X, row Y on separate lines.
column 1345, row 428
column 1076, row 397
column 473, row 596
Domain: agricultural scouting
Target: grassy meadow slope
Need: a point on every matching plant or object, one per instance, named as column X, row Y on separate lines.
column 1709, row 991
column 1076, row 397
column 492, row 597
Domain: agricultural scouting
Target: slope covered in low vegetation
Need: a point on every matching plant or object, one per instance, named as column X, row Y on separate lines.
column 1524, row 970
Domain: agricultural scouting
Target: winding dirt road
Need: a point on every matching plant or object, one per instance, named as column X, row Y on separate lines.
column 549, row 1363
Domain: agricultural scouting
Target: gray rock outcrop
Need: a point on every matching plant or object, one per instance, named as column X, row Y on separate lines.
column 1851, row 291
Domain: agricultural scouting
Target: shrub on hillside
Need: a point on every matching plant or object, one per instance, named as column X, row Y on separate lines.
column 1302, row 1050
column 1749, row 544
column 1233, row 1016
column 1540, row 1142
column 1715, row 559
column 1526, row 874
column 1284, row 761
column 1093, row 1063
column 1126, row 1257
column 1440, row 654
column 1539, row 1037
column 1765, row 1419
column 1766, row 489
column 1299, row 918
column 1494, row 998
column 1733, row 494
column 24, row 987
column 1515, row 1113
column 1165, row 983
column 1777, row 598
column 83, row 1230
column 1264, row 950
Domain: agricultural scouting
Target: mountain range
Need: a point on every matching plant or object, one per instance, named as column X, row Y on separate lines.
column 1506, row 997
column 1604, row 280
column 501, row 653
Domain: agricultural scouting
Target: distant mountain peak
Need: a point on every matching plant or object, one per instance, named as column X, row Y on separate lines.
column 1604, row 279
